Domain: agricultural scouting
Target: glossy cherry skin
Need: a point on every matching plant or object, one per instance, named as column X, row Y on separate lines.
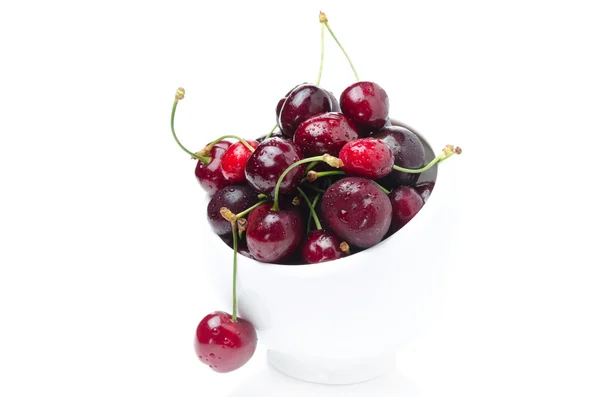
column 271, row 157
column 222, row 344
column 367, row 157
column 408, row 153
column 305, row 101
column 424, row 189
column 210, row 176
column 366, row 104
column 234, row 161
column 335, row 105
column 236, row 198
column 324, row 133
column 406, row 202
column 357, row 210
column 320, row 246
column 274, row 236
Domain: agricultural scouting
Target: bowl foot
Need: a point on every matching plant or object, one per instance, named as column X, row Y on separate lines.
column 329, row 371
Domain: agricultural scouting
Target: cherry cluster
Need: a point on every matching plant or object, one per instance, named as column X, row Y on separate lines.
column 331, row 179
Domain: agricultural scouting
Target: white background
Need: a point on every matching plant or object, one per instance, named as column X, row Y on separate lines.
column 100, row 280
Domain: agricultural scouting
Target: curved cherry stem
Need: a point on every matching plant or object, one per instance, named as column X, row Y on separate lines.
column 382, row 188
column 313, row 176
column 271, row 132
column 311, row 208
column 248, row 210
column 322, row 54
column 178, row 96
column 213, row 143
column 235, row 248
column 325, row 21
column 448, row 152
column 311, row 166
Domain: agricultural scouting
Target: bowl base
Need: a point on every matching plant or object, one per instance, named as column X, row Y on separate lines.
column 328, row 371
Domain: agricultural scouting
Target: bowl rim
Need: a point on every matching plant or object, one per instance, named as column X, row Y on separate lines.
column 312, row 269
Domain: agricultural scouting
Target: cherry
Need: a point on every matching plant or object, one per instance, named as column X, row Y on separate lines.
column 357, row 210
column 324, row 133
column 224, row 344
column 274, row 236
column 408, row 153
column 269, row 160
column 424, row 189
column 367, row 157
column 210, row 176
column 237, row 198
column 366, row 104
column 321, row 246
column 234, row 161
column 406, row 202
column 303, row 101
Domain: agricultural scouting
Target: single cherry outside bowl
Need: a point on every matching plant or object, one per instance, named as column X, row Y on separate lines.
column 342, row 322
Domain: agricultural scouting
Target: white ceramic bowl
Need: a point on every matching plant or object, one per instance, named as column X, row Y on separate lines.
column 341, row 322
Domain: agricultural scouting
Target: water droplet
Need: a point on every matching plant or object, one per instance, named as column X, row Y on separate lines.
column 219, row 358
column 211, row 355
column 215, row 331
column 238, row 332
column 226, row 341
column 200, row 357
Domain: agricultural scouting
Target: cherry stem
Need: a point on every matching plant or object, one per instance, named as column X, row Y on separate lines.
column 448, row 152
column 322, row 54
column 316, row 189
column 213, row 143
column 248, row 210
column 313, row 205
column 325, row 21
column 382, row 188
column 313, row 176
column 329, row 159
column 311, row 166
column 271, row 132
column 262, row 196
column 235, row 248
column 311, row 208
column 178, row 96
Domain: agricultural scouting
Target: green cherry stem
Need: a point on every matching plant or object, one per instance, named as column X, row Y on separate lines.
column 382, row 188
column 271, row 132
column 213, row 143
column 325, row 21
column 448, row 152
column 312, row 176
column 235, row 248
column 248, row 210
column 311, row 166
column 322, row 53
column 311, row 208
column 332, row 161
column 179, row 95
column 313, row 205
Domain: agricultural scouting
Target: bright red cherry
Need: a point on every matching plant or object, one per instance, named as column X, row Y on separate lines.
column 222, row 344
column 367, row 157
column 366, row 104
column 320, row 246
column 357, row 210
column 324, row 133
column 274, row 236
column 406, row 202
column 210, row 176
column 234, row 161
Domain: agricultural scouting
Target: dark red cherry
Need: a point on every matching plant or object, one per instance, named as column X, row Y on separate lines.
column 222, row 344
column 236, row 198
column 357, row 210
column 424, row 189
column 324, row 133
column 367, row 157
column 335, row 105
column 271, row 157
column 408, row 153
column 320, row 246
column 406, row 202
column 210, row 176
column 366, row 104
column 274, row 236
column 234, row 161
column 305, row 101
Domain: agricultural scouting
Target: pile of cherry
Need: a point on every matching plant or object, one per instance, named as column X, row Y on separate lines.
column 331, row 179
column 342, row 158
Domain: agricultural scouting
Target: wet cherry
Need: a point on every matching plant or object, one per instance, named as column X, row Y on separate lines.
column 303, row 102
column 406, row 203
column 235, row 197
column 234, row 161
column 324, row 133
column 366, row 104
column 222, row 344
column 367, row 157
column 408, row 153
column 320, row 246
column 210, row 176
